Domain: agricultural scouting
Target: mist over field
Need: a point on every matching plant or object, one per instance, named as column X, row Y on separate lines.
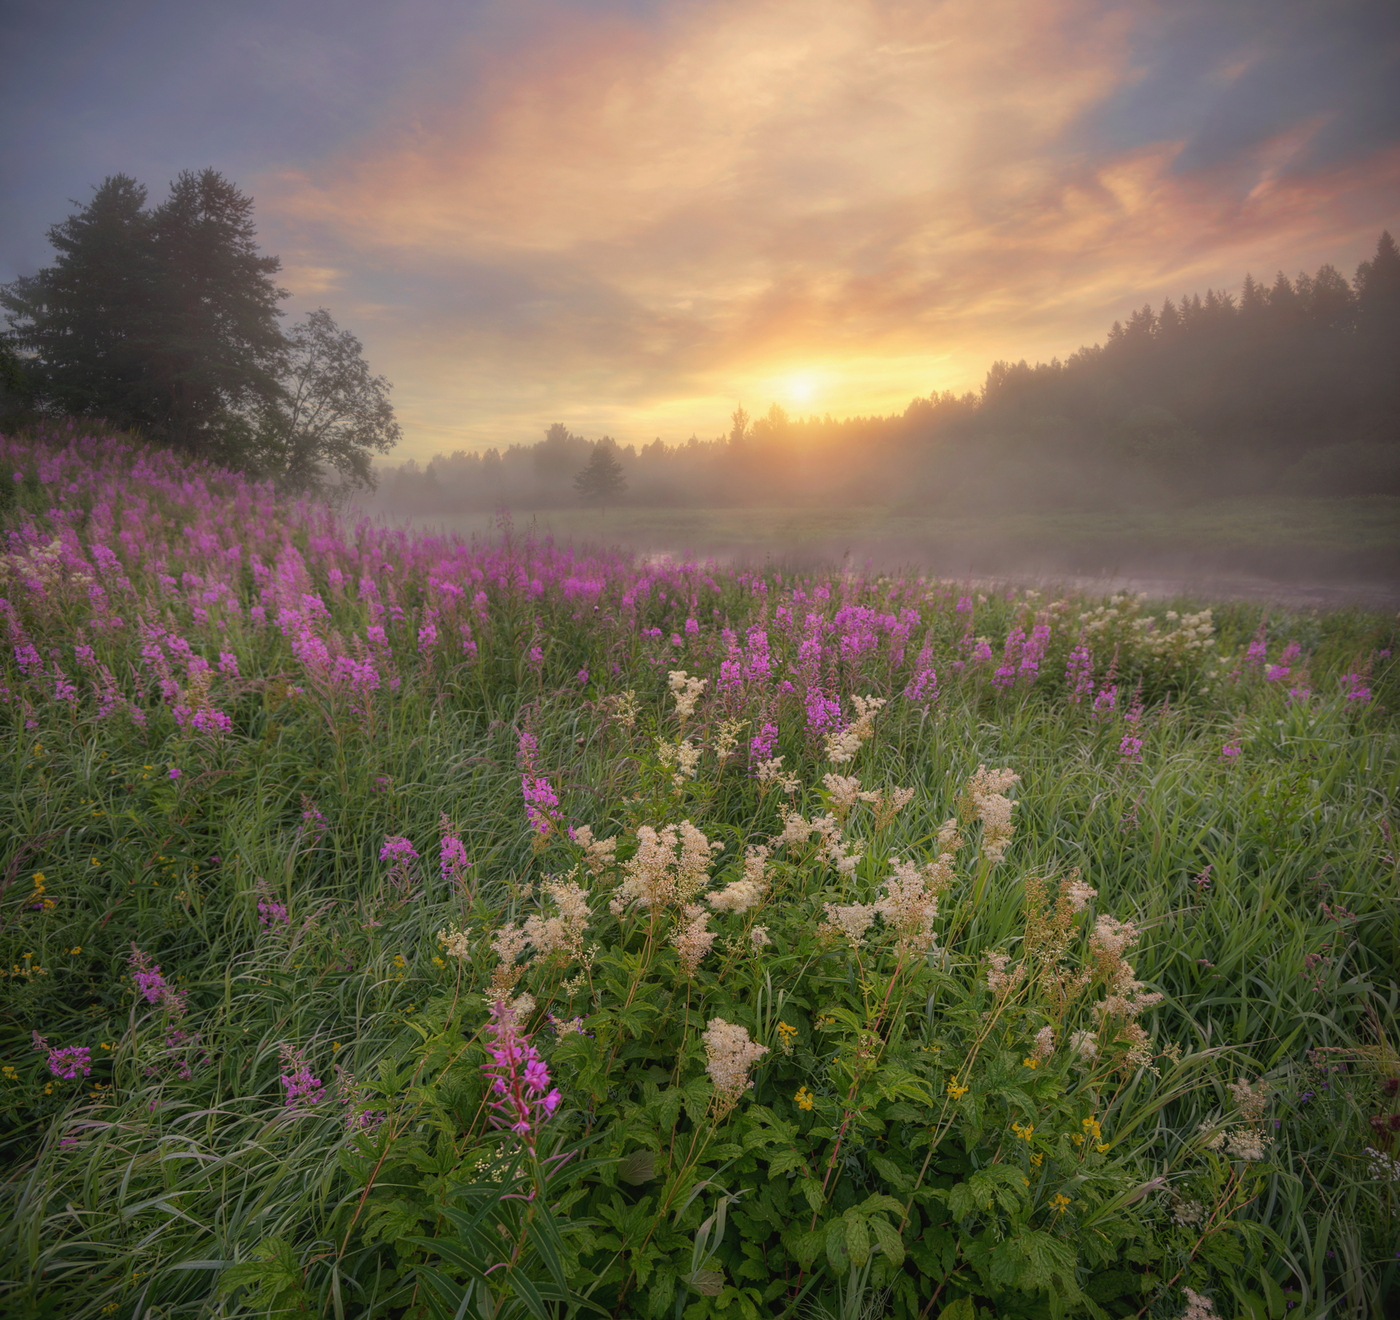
column 1232, row 444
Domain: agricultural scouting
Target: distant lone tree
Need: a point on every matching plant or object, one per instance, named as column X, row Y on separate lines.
column 601, row 480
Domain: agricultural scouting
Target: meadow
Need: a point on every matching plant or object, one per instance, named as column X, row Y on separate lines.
column 1316, row 550
column 398, row 924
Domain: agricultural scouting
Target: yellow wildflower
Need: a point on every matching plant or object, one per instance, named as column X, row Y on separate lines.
column 804, row 1098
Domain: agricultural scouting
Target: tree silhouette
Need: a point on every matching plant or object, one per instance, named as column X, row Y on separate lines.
column 601, row 480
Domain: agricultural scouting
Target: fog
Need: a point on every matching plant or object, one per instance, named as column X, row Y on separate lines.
column 1245, row 442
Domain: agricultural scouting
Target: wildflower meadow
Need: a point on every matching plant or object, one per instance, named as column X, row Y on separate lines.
column 396, row 925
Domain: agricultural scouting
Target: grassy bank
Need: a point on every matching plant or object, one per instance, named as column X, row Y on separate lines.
column 312, row 832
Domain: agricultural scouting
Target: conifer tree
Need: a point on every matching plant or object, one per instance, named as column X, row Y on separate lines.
column 601, row 481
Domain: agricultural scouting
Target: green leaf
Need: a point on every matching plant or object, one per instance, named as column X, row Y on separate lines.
column 784, row 1160
column 888, row 1239
column 962, row 1309
column 836, row 1251
column 708, row 1283
column 637, row 1168
column 812, row 1190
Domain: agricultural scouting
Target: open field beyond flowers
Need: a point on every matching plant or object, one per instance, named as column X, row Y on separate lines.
column 1266, row 547
column 398, row 925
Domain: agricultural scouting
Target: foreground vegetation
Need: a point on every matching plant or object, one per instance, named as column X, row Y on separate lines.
column 398, row 926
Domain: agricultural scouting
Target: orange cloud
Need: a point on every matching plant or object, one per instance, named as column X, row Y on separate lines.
column 632, row 225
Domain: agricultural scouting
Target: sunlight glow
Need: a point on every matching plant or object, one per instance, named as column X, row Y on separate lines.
column 801, row 389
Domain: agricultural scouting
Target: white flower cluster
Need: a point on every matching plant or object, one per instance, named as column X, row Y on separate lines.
column 562, row 932
column 843, row 745
column 999, row 980
column 683, row 756
column 844, row 790
column 456, row 942
column 1382, row 1167
column 1189, row 1213
column 729, row 1054
column 669, row 868
column 1078, row 893
column 599, row 854
column 692, row 940
column 832, row 846
column 770, row 775
column 986, row 792
column 686, row 691
column 910, row 903
column 623, row 708
column 1121, row 623
column 1044, row 1043
column 1198, row 1307
column 749, row 891
column 727, row 738
column 509, row 943
column 1250, row 1100
column 851, row 920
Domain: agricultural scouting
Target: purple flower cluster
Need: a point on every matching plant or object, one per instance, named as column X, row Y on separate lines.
column 153, row 987
column 518, row 1078
column 397, row 849
column 68, row 1062
column 541, row 804
column 303, row 1090
column 272, row 914
column 452, row 860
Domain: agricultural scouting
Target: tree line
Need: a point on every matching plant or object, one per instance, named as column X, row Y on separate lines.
column 164, row 320
column 1291, row 387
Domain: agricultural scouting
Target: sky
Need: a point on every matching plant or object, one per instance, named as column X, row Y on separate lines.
column 633, row 216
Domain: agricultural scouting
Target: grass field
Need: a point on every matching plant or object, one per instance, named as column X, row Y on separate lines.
column 394, row 926
column 1271, row 546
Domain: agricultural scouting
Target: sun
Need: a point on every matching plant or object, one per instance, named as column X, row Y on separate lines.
column 801, row 388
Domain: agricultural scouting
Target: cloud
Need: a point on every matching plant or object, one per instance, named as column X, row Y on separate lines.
column 631, row 216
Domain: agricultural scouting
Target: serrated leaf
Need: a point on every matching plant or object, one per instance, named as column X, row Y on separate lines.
column 637, row 1168
column 812, row 1190
column 806, row 1247
column 962, row 1309
column 782, row 1161
column 708, row 1283
column 888, row 1239
column 857, row 1237
column 836, row 1251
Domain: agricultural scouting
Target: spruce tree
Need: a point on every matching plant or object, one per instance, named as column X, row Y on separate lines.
column 82, row 322
column 601, row 481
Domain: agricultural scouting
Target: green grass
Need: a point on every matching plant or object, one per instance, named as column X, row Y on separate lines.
column 1264, row 887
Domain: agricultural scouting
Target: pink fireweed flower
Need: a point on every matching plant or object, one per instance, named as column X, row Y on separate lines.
column 397, row 849
column 1357, row 691
column 1258, row 648
column 272, row 914
column 174, row 772
column 66, row 1062
column 153, row 987
column 517, row 1077
column 763, row 742
column 1229, row 753
column 452, row 859
column 1079, row 674
column 303, row 1089
column 541, row 804
column 1130, row 749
